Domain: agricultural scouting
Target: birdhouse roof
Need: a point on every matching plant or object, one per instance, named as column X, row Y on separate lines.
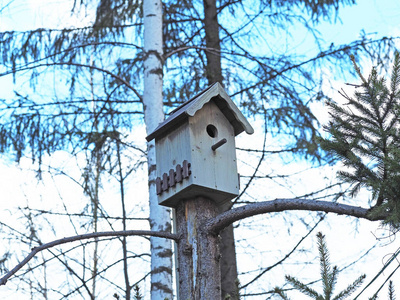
column 216, row 93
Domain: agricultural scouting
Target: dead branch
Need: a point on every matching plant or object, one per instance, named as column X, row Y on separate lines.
column 218, row 223
column 75, row 238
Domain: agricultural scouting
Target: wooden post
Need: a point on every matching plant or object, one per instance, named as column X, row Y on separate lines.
column 198, row 252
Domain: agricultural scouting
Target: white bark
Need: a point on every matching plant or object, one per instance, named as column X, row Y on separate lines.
column 161, row 249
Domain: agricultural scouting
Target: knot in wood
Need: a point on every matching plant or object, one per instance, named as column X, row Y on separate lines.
column 188, row 249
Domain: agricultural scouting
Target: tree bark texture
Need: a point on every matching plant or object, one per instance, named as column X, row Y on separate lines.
column 214, row 74
column 198, row 251
column 213, row 53
column 229, row 274
column 160, row 220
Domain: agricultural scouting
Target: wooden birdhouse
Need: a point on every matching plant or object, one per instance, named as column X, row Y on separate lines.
column 195, row 149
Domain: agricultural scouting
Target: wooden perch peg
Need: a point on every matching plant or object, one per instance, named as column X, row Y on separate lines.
column 218, row 144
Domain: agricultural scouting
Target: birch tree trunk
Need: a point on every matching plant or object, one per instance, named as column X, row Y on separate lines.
column 161, row 249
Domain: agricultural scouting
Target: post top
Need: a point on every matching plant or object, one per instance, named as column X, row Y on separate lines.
column 214, row 92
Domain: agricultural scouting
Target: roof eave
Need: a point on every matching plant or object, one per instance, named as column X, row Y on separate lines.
column 189, row 108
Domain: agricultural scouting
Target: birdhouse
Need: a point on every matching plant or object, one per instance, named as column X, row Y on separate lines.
column 195, row 149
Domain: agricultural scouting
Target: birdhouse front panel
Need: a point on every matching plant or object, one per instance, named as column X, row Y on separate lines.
column 215, row 166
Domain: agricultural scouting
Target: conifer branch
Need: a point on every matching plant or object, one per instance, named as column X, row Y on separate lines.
column 365, row 137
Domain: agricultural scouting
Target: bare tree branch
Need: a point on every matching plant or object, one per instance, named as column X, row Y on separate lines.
column 126, row 83
column 70, row 239
column 322, row 54
column 218, row 223
column 211, row 50
column 285, row 257
column 261, row 159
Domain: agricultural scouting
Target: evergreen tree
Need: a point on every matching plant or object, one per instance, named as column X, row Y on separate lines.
column 365, row 137
column 391, row 293
column 328, row 278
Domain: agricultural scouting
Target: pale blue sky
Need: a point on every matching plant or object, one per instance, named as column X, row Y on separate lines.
column 374, row 16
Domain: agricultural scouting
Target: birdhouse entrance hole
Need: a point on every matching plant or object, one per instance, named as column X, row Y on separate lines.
column 212, row 131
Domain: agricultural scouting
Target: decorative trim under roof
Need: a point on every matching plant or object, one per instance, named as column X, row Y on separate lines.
column 216, row 93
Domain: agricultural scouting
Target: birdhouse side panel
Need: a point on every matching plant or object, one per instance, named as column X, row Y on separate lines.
column 173, row 154
column 213, row 168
